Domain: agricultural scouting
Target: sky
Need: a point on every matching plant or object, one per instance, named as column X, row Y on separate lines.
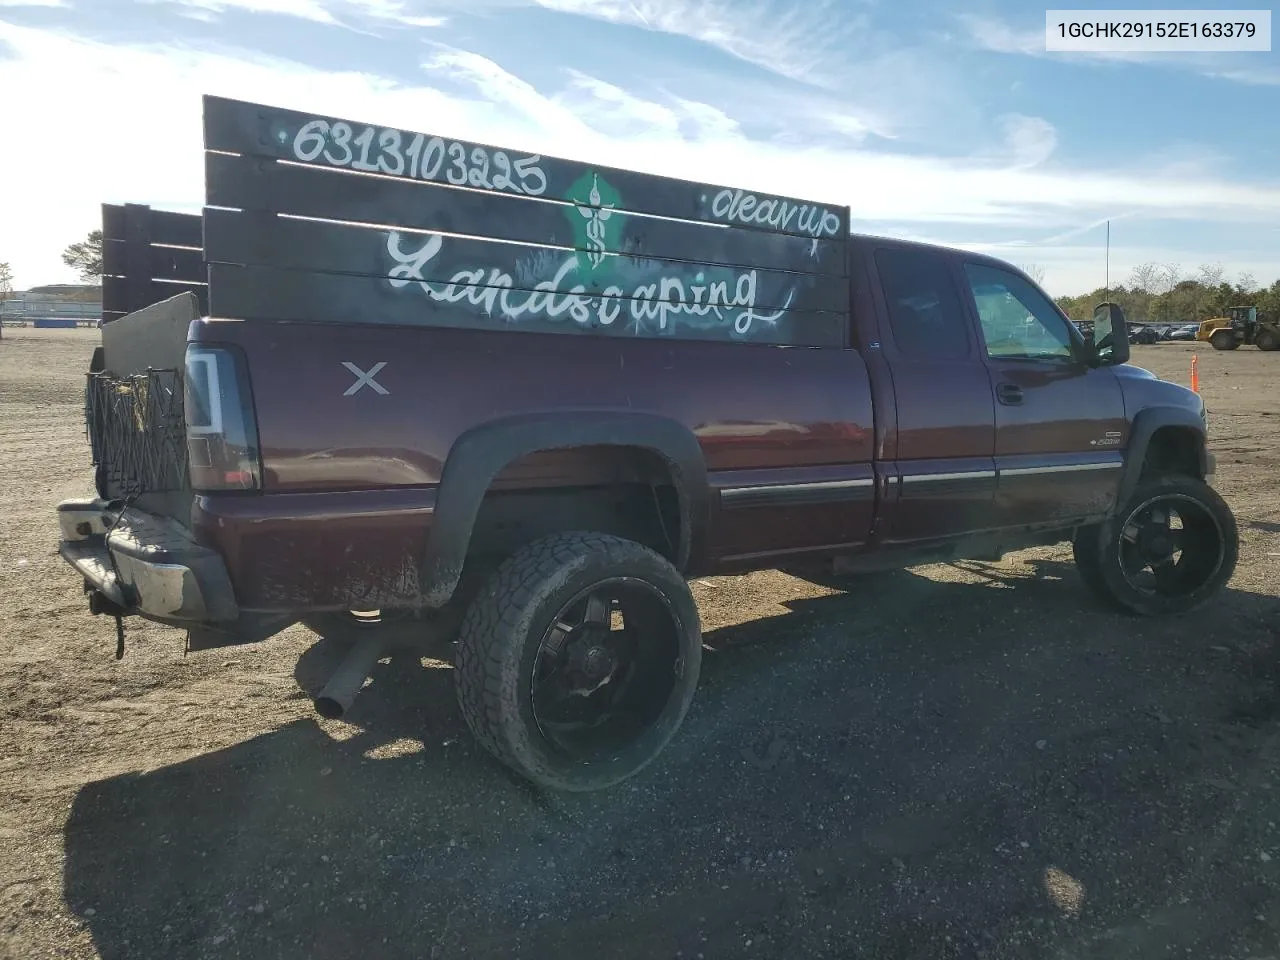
column 932, row 119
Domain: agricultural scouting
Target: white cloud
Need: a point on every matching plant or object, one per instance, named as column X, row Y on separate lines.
column 850, row 126
column 998, row 37
column 1085, row 228
column 1255, row 77
column 395, row 10
column 319, row 11
column 515, row 97
column 708, row 123
column 801, row 41
column 1031, row 140
column 303, row 9
column 871, row 82
column 612, row 110
column 200, row 15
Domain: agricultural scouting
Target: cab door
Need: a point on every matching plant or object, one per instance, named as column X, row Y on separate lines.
column 939, row 461
column 1059, row 424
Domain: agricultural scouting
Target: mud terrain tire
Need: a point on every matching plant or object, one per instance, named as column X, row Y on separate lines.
column 505, row 633
column 1268, row 339
column 1206, row 544
column 1223, row 340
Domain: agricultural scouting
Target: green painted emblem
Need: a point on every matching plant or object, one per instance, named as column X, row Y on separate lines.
column 597, row 224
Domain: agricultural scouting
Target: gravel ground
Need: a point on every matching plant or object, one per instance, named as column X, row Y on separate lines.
column 969, row 760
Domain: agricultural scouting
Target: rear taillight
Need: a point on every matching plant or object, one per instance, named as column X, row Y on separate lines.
column 222, row 437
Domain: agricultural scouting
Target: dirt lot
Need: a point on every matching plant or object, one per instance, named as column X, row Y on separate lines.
column 952, row 761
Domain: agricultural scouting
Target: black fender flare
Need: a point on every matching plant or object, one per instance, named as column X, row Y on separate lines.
column 478, row 455
column 1145, row 425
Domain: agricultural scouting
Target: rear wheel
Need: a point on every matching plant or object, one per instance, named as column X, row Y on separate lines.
column 1172, row 547
column 1268, row 339
column 578, row 660
column 1224, row 340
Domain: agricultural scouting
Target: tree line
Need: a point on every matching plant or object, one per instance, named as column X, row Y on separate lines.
column 1163, row 293
column 85, row 257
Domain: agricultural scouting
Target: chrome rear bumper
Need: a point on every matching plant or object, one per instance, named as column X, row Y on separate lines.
column 145, row 564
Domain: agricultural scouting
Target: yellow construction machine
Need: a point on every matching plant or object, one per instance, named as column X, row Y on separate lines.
column 1240, row 325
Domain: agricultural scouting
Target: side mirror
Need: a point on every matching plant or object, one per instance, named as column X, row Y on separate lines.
column 1110, row 335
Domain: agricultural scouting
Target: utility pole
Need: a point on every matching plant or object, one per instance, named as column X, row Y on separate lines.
column 1108, row 268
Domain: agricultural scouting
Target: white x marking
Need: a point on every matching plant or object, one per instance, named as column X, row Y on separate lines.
column 365, row 379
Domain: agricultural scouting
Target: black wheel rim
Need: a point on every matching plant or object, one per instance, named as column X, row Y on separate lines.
column 605, row 669
column 1170, row 546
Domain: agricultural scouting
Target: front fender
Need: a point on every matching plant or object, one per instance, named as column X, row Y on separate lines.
column 1145, row 425
column 481, row 453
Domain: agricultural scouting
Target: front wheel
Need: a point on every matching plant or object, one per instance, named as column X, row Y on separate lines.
column 577, row 661
column 1171, row 548
column 1224, row 340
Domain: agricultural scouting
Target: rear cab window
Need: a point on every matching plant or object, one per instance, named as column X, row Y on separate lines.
column 926, row 320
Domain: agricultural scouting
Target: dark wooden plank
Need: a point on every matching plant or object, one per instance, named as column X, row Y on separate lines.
column 137, row 253
column 115, row 291
column 178, row 263
column 114, row 294
column 254, row 129
column 165, row 263
column 175, row 229
column 165, row 227
column 266, row 185
column 112, row 257
column 111, row 308
column 260, row 293
column 263, row 239
column 112, row 221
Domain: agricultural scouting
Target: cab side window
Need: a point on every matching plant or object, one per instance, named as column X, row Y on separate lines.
column 925, row 316
column 1018, row 321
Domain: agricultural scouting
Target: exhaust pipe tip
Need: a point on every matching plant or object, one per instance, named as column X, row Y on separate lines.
column 329, row 708
column 335, row 699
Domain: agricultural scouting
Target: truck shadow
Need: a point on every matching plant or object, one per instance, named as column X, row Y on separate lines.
column 920, row 769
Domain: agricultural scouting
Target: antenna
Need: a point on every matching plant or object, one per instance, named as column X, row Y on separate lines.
column 1108, row 280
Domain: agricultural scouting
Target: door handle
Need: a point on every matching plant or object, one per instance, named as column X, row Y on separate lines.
column 1009, row 393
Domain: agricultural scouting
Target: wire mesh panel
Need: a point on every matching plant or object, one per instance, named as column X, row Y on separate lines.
column 136, row 432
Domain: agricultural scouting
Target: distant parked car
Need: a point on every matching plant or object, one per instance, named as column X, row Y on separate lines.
column 1183, row 331
column 1144, row 334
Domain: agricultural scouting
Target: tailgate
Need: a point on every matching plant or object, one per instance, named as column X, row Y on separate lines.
column 134, row 408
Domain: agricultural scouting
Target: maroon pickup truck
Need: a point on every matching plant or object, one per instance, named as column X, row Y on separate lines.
column 392, row 385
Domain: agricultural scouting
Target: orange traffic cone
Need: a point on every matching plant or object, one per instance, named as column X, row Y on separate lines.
column 1195, row 374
